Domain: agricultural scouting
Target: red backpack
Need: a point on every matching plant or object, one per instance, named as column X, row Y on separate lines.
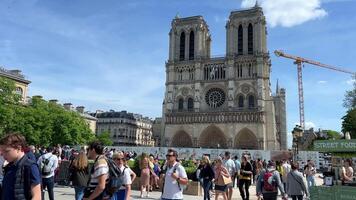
column 268, row 182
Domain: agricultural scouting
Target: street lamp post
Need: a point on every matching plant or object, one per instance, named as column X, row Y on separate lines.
column 297, row 135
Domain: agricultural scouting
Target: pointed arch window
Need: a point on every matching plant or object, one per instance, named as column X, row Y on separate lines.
column 180, row 104
column 191, row 45
column 251, row 101
column 190, row 104
column 240, row 40
column 241, row 101
column 250, row 39
column 182, row 46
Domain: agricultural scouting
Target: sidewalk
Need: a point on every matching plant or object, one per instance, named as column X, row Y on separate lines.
column 67, row 193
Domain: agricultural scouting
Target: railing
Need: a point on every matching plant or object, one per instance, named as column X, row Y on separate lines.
column 219, row 117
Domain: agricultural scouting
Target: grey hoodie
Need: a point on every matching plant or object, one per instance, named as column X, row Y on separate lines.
column 295, row 184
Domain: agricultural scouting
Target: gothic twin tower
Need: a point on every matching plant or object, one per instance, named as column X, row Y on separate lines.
column 222, row 102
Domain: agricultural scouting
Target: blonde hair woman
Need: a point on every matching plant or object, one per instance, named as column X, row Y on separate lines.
column 220, row 171
column 207, row 174
column 145, row 174
column 79, row 174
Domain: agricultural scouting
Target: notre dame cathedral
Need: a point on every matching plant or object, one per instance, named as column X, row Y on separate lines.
column 222, row 102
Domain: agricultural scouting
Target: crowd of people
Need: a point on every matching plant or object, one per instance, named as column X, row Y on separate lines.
column 35, row 170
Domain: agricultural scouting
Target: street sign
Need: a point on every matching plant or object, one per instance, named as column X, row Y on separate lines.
column 335, row 145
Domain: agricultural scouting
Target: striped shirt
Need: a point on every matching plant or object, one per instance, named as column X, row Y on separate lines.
column 100, row 168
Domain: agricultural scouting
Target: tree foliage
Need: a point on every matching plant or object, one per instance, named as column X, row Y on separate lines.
column 350, row 96
column 333, row 135
column 41, row 122
column 105, row 138
column 349, row 123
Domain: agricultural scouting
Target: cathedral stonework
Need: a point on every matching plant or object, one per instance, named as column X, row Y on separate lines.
column 222, row 102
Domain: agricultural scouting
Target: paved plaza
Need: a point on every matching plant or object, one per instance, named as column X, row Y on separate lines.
column 67, row 193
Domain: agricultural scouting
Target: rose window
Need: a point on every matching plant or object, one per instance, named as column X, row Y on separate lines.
column 215, row 97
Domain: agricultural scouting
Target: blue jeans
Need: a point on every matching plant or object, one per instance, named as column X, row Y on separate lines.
column 170, row 199
column 310, row 181
column 79, row 192
column 206, row 187
column 119, row 195
column 49, row 184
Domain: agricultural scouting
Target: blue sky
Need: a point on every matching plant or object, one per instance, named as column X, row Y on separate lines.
column 111, row 54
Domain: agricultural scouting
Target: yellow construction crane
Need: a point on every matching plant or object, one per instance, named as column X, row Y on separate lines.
column 299, row 61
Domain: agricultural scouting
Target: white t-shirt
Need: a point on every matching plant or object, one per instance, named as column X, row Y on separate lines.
column 171, row 189
column 126, row 177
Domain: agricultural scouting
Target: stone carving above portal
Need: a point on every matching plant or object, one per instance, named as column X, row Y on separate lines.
column 245, row 88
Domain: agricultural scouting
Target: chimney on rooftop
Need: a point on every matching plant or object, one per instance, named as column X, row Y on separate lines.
column 54, row 101
column 80, row 109
column 67, row 106
column 37, row 96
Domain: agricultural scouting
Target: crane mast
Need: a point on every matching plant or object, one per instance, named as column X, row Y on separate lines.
column 299, row 61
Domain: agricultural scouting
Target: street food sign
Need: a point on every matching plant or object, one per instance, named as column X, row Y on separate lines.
column 335, row 145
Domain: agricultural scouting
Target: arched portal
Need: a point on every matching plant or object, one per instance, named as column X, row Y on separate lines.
column 212, row 137
column 182, row 139
column 246, row 139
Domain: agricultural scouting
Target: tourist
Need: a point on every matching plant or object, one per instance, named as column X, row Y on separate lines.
column 229, row 164
column 245, row 177
column 295, row 186
column 79, row 175
column 145, row 174
column 237, row 172
column 310, row 172
column 268, row 182
column 98, row 173
column 155, row 175
column 286, row 169
column 19, row 186
column 347, row 172
column 124, row 192
column 206, row 175
column 221, row 174
column 175, row 177
column 48, row 164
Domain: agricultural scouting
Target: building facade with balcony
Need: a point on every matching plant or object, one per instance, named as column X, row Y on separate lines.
column 126, row 129
column 222, row 102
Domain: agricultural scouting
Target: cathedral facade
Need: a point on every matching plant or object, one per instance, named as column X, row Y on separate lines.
column 222, row 102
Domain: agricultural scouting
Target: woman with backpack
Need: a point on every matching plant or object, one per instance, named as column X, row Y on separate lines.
column 79, row 171
column 124, row 192
column 296, row 187
column 268, row 183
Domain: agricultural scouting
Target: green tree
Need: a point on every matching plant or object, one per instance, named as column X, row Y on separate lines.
column 9, row 101
column 333, row 135
column 41, row 122
column 350, row 96
column 349, row 123
column 104, row 137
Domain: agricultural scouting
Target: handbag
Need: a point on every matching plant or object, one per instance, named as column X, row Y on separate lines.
column 223, row 180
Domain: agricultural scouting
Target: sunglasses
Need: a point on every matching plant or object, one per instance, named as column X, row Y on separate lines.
column 169, row 155
column 118, row 159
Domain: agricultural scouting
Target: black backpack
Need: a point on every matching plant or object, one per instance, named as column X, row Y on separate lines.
column 115, row 178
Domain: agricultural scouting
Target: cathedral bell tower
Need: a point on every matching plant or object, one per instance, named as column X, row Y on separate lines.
column 189, row 39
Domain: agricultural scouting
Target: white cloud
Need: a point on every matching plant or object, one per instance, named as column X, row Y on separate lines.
column 288, row 13
column 309, row 125
column 322, row 82
column 350, row 81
